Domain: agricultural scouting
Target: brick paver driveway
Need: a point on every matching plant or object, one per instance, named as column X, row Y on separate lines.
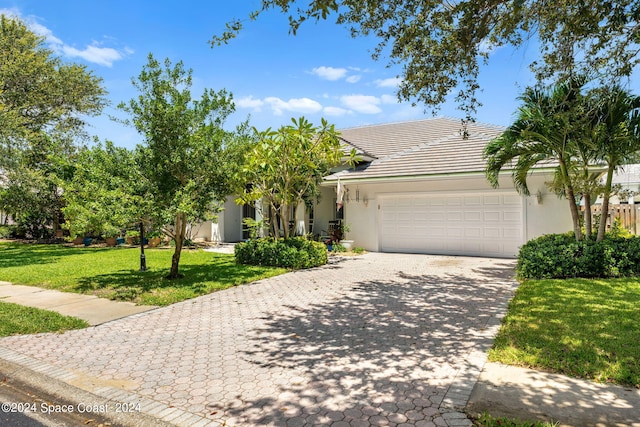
column 381, row 339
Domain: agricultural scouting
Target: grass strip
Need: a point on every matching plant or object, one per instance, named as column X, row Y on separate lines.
column 583, row 328
column 18, row 320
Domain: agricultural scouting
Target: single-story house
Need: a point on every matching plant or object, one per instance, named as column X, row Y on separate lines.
column 420, row 187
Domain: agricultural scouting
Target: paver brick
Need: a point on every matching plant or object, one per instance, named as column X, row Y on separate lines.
column 372, row 340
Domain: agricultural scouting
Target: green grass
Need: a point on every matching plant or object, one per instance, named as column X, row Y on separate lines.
column 584, row 328
column 486, row 420
column 113, row 272
column 17, row 320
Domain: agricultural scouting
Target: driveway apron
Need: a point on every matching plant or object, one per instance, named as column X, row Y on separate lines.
column 379, row 339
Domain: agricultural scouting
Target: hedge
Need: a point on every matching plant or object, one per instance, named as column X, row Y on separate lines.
column 558, row 256
column 294, row 252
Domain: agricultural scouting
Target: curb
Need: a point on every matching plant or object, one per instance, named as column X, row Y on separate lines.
column 54, row 381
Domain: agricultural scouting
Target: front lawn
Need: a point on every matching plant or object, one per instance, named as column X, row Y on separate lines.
column 584, row 328
column 18, row 320
column 113, row 272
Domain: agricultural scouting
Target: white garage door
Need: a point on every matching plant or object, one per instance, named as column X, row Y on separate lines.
column 481, row 224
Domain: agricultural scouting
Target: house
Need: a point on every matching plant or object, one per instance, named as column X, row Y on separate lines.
column 420, row 187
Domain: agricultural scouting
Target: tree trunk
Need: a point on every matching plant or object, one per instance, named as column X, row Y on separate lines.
column 180, row 232
column 587, row 215
column 284, row 211
column 573, row 206
column 605, row 204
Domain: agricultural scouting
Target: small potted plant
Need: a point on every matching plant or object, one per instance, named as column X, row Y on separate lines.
column 110, row 235
column 133, row 237
column 155, row 238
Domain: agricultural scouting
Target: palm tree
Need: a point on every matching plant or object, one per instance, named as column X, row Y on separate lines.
column 615, row 119
column 543, row 133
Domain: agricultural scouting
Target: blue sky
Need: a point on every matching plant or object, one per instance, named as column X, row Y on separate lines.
column 274, row 76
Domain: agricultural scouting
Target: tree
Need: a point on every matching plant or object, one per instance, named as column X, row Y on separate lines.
column 106, row 194
column 545, row 130
column 442, row 44
column 43, row 103
column 286, row 167
column 183, row 157
column 615, row 119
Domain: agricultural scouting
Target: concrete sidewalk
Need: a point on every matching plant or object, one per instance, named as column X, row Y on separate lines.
column 87, row 307
column 526, row 394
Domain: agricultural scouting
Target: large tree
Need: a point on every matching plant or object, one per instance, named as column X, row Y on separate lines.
column 184, row 157
column 441, row 44
column 286, row 166
column 615, row 120
column 544, row 132
column 43, row 105
column 107, row 192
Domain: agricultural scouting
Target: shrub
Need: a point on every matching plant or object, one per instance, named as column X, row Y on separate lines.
column 558, row 256
column 294, row 252
column 6, row 231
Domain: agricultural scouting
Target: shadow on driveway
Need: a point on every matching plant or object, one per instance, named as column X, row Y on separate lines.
column 380, row 351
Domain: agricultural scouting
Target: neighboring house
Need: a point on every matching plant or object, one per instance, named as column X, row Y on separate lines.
column 628, row 177
column 420, row 187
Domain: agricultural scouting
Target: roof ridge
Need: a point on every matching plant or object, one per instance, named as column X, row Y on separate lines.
column 397, row 123
column 485, row 124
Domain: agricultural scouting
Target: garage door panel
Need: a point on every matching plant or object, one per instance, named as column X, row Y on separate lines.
column 455, row 216
column 512, row 216
column 481, row 224
column 492, row 216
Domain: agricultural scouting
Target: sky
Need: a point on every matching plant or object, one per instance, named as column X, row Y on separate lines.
column 273, row 76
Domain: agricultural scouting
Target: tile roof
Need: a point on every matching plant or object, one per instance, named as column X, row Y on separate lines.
column 422, row 147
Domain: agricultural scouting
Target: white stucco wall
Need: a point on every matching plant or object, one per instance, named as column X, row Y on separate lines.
column 231, row 221
column 551, row 216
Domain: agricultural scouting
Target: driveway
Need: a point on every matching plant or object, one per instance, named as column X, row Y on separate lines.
column 380, row 339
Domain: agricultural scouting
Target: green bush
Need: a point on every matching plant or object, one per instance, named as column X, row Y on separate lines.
column 6, row 231
column 294, row 253
column 558, row 256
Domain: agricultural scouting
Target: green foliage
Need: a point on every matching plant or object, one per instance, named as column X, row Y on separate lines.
column 19, row 320
column 486, row 420
column 106, row 193
column 40, row 94
column 253, row 226
column 561, row 256
column 442, row 45
column 43, row 107
column 184, row 158
column 285, row 167
column 7, row 231
column 586, row 328
column 114, row 272
column 572, row 130
column 545, row 130
column 294, row 252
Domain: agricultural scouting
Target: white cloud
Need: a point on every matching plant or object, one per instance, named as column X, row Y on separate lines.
column 98, row 55
column 91, row 53
column 336, row 111
column 389, row 99
column 364, row 104
column 297, row 105
column 353, row 79
column 329, row 73
column 250, row 102
column 391, row 82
